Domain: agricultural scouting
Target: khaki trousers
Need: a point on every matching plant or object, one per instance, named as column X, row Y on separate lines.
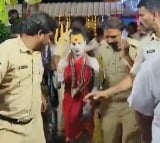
column 119, row 124
column 97, row 134
column 29, row 133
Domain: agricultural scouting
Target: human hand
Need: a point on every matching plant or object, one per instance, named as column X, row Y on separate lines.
column 124, row 46
column 98, row 95
column 62, row 38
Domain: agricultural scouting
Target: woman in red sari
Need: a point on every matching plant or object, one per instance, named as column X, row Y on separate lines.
column 78, row 72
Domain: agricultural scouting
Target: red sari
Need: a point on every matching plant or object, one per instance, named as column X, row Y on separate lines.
column 73, row 106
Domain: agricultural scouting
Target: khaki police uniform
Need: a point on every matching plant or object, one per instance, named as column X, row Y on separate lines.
column 118, row 121
column 149, row 47
column 20, row 93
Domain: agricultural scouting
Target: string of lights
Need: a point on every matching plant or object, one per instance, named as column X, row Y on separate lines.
column 134, row 3
column 134, row 6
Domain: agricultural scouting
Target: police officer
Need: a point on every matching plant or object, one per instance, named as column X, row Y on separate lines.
column 146, row 87
column 118, row 121
column 149, row 16
column 21, row 73
column 148, row 48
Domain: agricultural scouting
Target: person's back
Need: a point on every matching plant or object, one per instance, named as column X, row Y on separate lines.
column 146, row 89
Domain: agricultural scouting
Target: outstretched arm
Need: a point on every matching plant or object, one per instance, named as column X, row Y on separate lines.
column 120, row 87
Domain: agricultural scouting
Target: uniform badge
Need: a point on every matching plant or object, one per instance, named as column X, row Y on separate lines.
column 151, row 51
column 23, row 67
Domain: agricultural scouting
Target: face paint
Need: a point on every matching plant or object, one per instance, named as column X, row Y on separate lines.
column 78, row 44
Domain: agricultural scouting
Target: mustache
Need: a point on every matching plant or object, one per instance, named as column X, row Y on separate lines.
column 115, row 46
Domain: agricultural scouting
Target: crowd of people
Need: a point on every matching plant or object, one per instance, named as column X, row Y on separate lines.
column 59, row 82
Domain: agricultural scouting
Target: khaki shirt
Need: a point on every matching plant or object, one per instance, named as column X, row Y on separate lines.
column 20, row 78
column 113, row 69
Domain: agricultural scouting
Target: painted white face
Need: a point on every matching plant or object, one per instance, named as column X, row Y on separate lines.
column 78, row 44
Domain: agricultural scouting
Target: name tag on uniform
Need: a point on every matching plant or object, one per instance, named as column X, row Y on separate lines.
column 151, row 51
column 23, row 67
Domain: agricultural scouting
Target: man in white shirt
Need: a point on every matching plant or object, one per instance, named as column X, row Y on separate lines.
column 145, row 99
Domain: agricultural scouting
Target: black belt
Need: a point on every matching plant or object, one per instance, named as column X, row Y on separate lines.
column 15, row 121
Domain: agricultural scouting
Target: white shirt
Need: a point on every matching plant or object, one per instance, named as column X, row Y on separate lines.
column 145, row 95
column 149, row 47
